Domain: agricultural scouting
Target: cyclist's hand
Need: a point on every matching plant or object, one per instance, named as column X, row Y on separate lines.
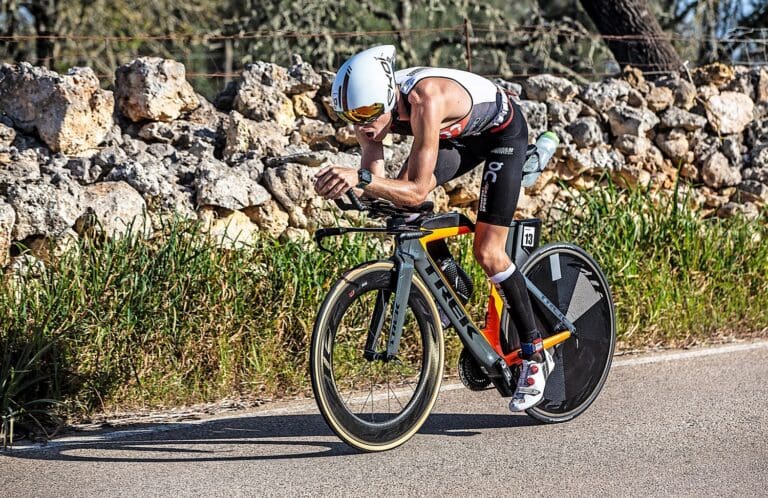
column 332, row 182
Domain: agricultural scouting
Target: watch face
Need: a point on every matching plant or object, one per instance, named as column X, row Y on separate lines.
column 364, row 176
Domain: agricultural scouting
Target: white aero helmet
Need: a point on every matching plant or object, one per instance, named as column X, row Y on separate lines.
column 365, row 87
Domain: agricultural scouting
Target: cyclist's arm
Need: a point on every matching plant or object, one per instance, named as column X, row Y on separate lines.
column 372, row 154
column 418, row 179
column 429, row 108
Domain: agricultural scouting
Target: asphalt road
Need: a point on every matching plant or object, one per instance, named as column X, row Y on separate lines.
column 687, row 423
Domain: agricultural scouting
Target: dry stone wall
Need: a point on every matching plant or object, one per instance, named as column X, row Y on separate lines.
column 75, row 157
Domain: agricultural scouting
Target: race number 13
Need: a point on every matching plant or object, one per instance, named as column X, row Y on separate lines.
column 529, row 233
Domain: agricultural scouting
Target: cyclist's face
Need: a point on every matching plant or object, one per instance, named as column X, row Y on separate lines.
column 376, row 130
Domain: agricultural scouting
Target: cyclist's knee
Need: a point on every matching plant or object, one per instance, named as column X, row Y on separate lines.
column 489, row 248
column 491, row 258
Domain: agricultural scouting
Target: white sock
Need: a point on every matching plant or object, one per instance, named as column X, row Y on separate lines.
column 502, row 276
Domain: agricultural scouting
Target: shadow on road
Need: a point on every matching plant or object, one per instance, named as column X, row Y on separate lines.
column 268, row 437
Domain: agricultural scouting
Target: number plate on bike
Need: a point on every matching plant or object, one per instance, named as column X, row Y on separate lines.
column 529, row 236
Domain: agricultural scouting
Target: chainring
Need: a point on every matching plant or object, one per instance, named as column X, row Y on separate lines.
column 470, row 374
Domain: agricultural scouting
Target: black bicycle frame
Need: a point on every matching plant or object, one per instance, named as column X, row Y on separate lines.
column 411, row 257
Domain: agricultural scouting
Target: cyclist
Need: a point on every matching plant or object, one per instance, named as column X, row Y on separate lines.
column 458, row 120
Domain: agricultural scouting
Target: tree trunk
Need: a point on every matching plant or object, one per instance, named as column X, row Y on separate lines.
column 633, row 34
column 44, row 12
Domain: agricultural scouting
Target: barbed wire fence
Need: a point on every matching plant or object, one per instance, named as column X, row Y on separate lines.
column 213, row 59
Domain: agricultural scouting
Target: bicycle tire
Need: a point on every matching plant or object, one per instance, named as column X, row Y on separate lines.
column 338, row 340
column 574, row 282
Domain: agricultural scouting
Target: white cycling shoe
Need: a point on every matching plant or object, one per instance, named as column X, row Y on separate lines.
column 530, row 385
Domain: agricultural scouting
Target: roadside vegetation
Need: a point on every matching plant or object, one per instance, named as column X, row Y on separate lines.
column 119, row 324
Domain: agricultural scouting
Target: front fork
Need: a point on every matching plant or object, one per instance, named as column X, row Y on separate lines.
column 404, row 270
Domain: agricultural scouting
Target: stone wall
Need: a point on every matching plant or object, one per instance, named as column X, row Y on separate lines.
column 74, row 156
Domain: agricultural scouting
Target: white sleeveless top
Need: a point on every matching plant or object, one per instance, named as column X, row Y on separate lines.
column 490, row 107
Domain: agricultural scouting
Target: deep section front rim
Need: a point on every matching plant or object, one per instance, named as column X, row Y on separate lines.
column 375, row 405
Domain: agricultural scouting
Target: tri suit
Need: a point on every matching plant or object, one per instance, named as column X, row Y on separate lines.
column 494, row 130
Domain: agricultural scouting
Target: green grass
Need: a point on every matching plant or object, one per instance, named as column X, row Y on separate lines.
column 676, row 278
column 177, row 319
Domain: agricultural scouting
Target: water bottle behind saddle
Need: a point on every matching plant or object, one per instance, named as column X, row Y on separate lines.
column 537, row 156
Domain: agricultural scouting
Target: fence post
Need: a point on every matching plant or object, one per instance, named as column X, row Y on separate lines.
column 228, row 56
column 467, row 29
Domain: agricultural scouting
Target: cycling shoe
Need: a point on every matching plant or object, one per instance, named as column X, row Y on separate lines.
column 530, row 385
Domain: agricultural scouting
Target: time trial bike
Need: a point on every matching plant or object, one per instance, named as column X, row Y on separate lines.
column 377, row 349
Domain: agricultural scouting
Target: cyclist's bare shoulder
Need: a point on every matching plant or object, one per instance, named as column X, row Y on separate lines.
column 442, row 95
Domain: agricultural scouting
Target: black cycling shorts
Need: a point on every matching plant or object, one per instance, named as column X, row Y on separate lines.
column 504, row 155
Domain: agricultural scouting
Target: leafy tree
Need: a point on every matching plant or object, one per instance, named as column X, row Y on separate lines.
column 100, row 33
column 508, row 39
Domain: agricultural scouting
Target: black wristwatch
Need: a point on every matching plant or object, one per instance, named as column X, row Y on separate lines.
column 364, row 178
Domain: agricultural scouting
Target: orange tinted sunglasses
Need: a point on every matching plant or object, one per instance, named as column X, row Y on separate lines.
column 362, row 115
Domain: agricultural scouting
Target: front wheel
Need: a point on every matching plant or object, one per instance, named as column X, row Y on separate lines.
column 574, row 283
column 373, row 404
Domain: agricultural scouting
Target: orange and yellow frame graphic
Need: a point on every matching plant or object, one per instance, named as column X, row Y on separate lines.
column 492, row 329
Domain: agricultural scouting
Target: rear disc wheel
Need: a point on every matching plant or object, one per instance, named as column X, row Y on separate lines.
column 573, row 282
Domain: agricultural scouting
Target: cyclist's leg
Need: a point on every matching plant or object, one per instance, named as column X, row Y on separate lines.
column 499, row 193
column 490, row 242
